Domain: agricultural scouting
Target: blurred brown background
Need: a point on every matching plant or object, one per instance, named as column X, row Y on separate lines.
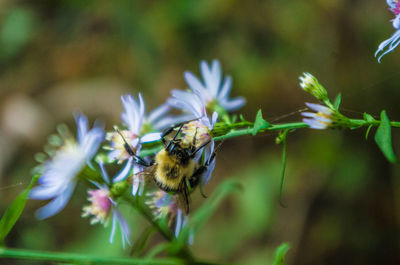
column 342, row 196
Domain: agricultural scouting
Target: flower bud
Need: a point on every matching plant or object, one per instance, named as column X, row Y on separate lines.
column 311, row 85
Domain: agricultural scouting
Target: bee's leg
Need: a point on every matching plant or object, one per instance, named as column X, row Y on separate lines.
column 198, row 149
column 173, row 139
column 184, row 195
column 198, row 173
column 194, row 180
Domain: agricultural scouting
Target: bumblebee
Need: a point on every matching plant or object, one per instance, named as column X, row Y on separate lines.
column 174, row 168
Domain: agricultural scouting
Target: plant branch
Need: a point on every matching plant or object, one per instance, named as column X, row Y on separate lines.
column 80, row 258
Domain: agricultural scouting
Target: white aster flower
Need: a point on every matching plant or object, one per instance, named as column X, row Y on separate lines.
column 394, row 41
column 103, row 208
column 59, row 174
column 213, row 90
column 320, row 120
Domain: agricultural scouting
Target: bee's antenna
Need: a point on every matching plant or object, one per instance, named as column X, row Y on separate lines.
column 198, row 149
column 173, row 139
column 127, row 146
column 130, row 151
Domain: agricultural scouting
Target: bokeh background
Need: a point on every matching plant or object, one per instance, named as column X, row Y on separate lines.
column 342, row 196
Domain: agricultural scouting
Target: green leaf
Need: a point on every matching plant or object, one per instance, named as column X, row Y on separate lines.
column 201, row 216
column 162, row 247
column 383, row 138
column 368, row 118
column 142, row 242
column 14, row 211
column 337, row 101
column 282, row 137
column 280, row 254
column 367, row 132
column 260, row 123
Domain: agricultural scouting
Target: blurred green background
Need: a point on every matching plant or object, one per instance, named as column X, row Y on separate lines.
column 342, row 196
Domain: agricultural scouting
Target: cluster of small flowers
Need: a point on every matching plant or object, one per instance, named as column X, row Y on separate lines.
column 73, row 158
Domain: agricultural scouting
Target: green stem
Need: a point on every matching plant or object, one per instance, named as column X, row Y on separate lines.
column 247, row 131
column 360, row 123
column 230, row 132
column 184, row 251
column 136, row 203
column 80, row 258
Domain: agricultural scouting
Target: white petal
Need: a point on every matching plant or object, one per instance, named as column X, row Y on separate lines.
column 194, row 83
column 315, row 124
column 57, row 204
column 91, row 142
column 125, row 231
column 141, row 112
column 171, row 120
column 135, row 185
column 150, row 137
column 124, row 173
column 82, row 125
column 179, row 221
column 211, row 84
column 319, row 108
column 114, row 226
column 158, row 113
column 396, row 22
column 214, row 119
column 233, row 104
column 104, row 172
column 226, row 89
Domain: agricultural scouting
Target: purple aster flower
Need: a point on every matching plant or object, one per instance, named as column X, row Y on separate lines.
column 163, row 205
column 59, row 174
column 320, row 120
column 213, row 90
column 103, row 208
column 390, row 44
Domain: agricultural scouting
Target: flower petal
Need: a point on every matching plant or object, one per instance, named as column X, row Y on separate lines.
column 124, row 173
column 57, row 204
column 150, row 137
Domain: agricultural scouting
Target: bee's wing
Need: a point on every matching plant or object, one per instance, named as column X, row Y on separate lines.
column 183, row 198
column 147, row 173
